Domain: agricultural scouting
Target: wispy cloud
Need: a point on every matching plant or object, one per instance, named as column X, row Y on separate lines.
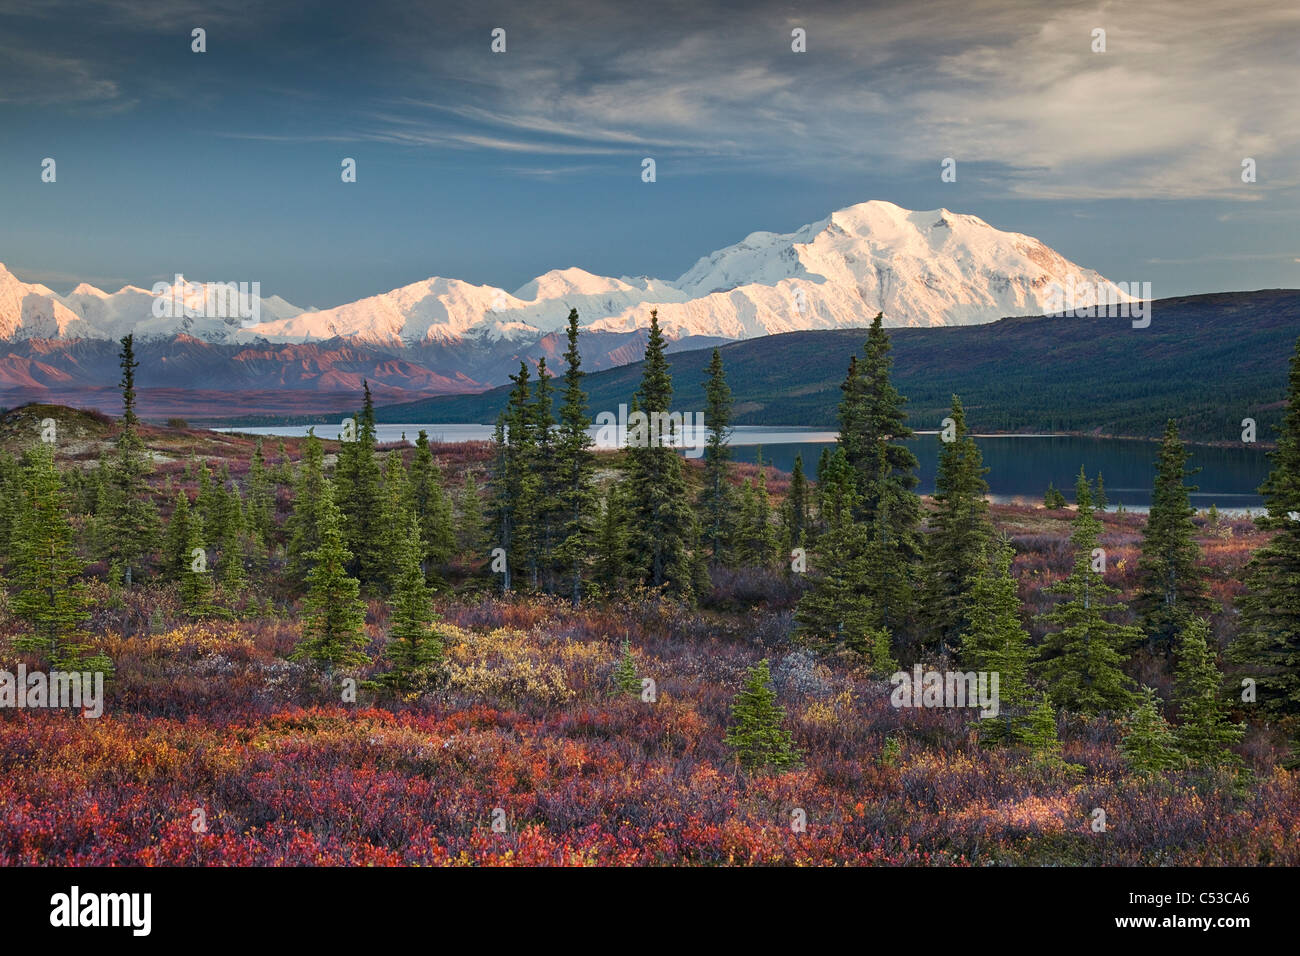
column 1012, row 90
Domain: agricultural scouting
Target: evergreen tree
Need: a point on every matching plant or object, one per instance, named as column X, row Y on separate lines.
column 1147, row 743
column 890, row 580
column 333, row 620
column 662, row 523
column 959, row 533
column 873, row 425
column 996, row 642
column 1082, row 658
column 1099, row 499
column 836, row 608
column 1171, row 589
column 855, row 421
column 395, row 510
column 261, row 495
column 130, row 520
column 360, row 498
column 1268, row 646
column 1040, row 733
column 576, row 499
column 470, row 538
column 413, row 642
column 196, row 576
column 611, row 569
column 885, row 430
column 231, row 543
column 432, row 508
column 514, row 485
column 303, row 525
column 626, row 680
column 756, row 537
column 176, row 542
column 1204, row 734
column 1053, row 500
column 546, row 512
column 717, row 502
column 10, row 492
column 51, row 599
column 795, row 518
column 756, row 733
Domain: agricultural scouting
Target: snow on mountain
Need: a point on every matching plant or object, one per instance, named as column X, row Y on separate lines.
column 919, row 268
column 33, row 311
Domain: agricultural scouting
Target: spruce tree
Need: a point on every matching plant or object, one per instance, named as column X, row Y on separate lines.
column 514, row 485
column 1171, row 589
column 176, row 542
column 662, row 525
column 1099, row 499
column 546, row 514
column 574, row 467
column 1205, row 735
column 333, row 620
column 717, row 502
column 1040, row 735
column 413, row 642
column 873, row 425
column 261, row 494
column 1053, row 499
column 470, row 536
column 995, row 641
column 50, row 597
column 1147, row 741
column 795, row 518
column 756, row 538
column 885, row 429
column 10, row 485
column 130, row 521
column 231, row 543
column 196, row 576
column 395, row 510
column 360, row 498
column 1083, row 656
column 1268, row 646
column 890, row 581
column 303, row 525
column 626, row 680
column 836, row 609
column 855, row 421
column 959, row 534
column 756, row 734
column 432, row 507
column 611, row 567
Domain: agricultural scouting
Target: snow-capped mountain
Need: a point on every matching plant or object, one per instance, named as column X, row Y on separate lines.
column 919, row 268
column 202, row 310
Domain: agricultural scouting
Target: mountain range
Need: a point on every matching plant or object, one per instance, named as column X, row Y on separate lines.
column 443, row 335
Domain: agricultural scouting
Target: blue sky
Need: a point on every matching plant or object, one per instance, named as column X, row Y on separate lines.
column 494, row 168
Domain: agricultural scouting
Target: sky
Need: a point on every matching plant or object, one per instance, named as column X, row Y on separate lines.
column 494, row 167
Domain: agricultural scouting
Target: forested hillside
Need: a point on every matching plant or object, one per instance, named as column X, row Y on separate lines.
column 1208, row 361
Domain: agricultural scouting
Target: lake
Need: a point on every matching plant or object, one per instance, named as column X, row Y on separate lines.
column 1020, row 466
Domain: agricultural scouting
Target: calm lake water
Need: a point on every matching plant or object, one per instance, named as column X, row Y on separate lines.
column 1020, row 466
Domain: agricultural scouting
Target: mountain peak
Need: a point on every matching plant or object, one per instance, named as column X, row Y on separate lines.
column 920, row 268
